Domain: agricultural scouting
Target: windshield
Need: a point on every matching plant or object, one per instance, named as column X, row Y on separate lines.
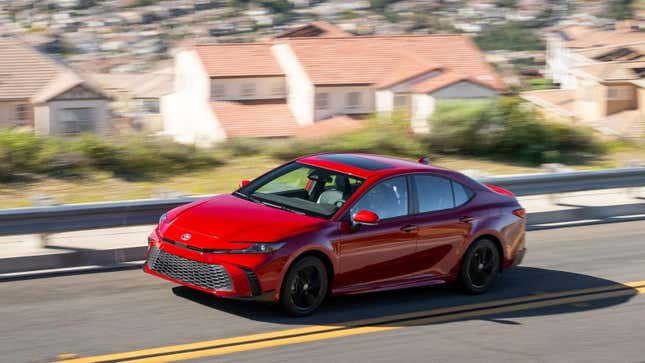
column 302, row 188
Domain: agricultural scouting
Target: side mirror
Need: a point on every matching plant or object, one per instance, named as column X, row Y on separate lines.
column 365, row 217
column 244, row 183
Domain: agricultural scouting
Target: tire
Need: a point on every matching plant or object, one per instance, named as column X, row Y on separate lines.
column 304, row 287
column 479, row 267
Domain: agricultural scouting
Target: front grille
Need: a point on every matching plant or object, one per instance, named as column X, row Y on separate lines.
column 209, row 276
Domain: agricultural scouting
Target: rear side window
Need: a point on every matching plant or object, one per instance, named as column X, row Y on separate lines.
column 434, row 193
column 462, row 193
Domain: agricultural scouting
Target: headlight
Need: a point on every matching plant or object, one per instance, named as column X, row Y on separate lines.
column 163, row 218
column 261, row 248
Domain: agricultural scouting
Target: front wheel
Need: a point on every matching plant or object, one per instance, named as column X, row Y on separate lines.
column 304, row 287
column 479, row 266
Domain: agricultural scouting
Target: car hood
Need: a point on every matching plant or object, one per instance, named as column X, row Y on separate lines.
column 223, row 219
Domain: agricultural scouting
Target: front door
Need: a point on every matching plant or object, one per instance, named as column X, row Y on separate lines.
column 377, row 255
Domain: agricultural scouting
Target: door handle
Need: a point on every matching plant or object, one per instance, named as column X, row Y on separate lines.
column 409, row 228
column 466, row 219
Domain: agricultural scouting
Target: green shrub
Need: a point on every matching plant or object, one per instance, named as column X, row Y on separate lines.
column 389, row 136
column 243, row 146
column 506, row 129
column 126, row 156
column 18, row 153
column 137, row 156
column 510, row 36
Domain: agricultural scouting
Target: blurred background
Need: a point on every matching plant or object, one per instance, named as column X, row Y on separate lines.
column 128, row 99
column 112, row 112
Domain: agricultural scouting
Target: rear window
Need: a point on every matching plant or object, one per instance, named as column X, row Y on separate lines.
column 462, row 193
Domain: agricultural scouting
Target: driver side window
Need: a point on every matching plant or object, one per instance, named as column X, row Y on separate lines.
column 388, row 199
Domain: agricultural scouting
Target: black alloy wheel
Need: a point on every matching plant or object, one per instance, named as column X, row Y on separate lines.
column 304, row 287
column 479, row 266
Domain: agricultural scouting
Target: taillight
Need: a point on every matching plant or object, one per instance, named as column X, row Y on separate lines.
column 521, row 212
column 499, row 190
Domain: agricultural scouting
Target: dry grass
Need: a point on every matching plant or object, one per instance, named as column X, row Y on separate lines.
column 102, row 186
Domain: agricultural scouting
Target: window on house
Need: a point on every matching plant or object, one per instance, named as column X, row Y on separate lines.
column 353, row 100
column 248, row 89
column 22, row 112
column 151, row 105
column 76, row 120
column 322, row 101
column 400, row 101
column 619, row 93
column 218, row 90
column 278, row 89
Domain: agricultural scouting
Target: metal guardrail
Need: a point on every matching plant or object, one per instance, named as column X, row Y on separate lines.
column 571, row 182
column 75, row 217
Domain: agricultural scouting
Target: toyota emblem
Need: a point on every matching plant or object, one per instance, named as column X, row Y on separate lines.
column 186, row 236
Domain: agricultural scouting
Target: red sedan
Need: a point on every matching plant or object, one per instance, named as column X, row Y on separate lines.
column 340, row 224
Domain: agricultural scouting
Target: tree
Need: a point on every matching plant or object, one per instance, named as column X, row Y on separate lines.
column 511, row 36
column 620, row 9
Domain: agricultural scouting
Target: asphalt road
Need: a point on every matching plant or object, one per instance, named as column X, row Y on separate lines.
column 579, row 296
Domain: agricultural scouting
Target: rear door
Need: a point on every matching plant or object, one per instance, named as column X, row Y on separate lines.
column 442, row 221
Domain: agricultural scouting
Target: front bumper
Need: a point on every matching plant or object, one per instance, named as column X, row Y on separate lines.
column 235, row 276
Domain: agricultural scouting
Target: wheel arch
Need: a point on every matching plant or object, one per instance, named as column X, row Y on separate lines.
column 319, row 254
column 497, row 243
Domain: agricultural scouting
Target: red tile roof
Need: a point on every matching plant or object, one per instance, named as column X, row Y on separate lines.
column 261, row 118
column 370, row 59
column 239, row 60
column 586, row 37
column 335, row 125
column 24, row 71
column 561, row 101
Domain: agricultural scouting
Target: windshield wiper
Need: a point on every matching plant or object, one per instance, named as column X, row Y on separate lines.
column 278, row 206
column 247, row 197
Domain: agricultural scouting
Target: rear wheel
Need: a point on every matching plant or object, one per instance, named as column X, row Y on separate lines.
column 304, row 287
column 479, row 266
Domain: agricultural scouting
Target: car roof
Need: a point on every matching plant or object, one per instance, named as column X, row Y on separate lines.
column 364, row 165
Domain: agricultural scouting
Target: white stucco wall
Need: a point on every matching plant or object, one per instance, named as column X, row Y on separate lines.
column 265, row 88
column 560, row 61
column 338, row 101
column 300, row 90
column 41, row 119
column 187, row 114
column 384, row 101
column 422, row 107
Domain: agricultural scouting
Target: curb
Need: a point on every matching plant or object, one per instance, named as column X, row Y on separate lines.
column 82, row 258
column 581, row 216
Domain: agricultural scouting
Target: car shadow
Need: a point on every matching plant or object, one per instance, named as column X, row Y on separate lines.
column 519, row 282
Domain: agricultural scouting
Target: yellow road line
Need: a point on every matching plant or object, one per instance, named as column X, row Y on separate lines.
column 365, row 330
column 321, row 332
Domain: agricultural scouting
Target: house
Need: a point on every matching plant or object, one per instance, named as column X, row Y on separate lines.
column 600, row 72
column 278, row 87
column 575, row 45
column 609, row 96
column 45, row 95
column 135, row 97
